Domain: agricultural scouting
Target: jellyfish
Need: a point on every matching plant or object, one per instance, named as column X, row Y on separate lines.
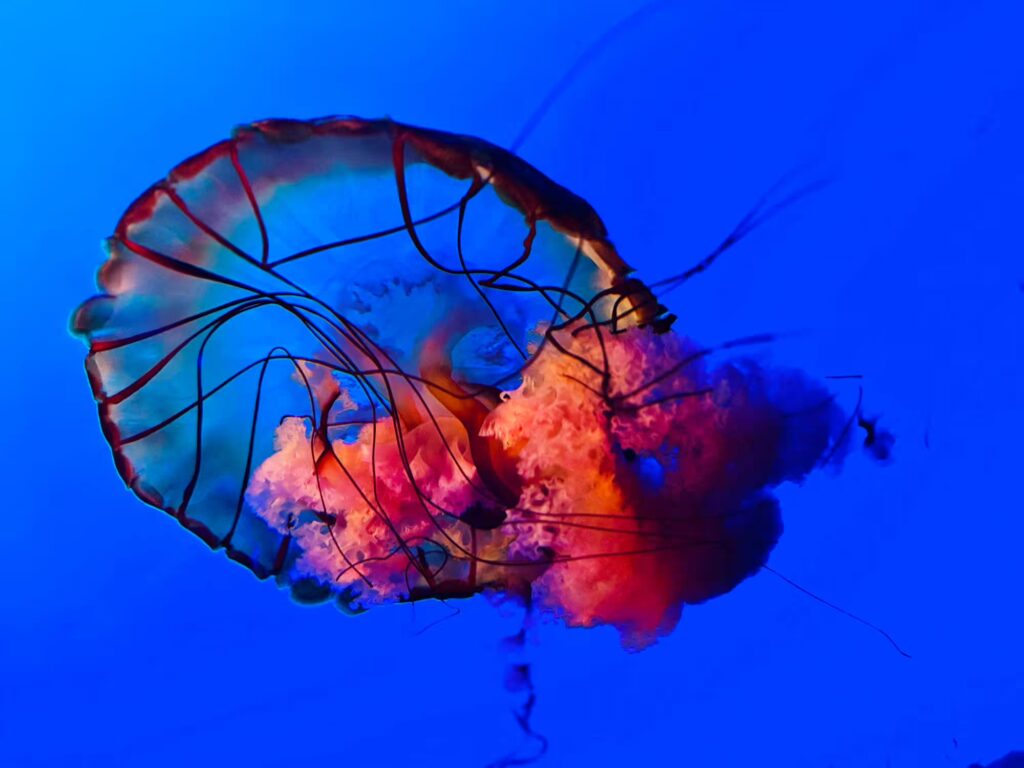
column 381, row 364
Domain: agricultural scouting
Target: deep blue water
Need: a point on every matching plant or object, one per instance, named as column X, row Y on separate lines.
column 125, row 642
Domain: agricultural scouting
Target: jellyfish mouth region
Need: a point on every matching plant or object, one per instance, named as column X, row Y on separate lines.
column 621, row 480
column 408, row 518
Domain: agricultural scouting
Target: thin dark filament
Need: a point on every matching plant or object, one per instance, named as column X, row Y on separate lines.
column 754, row 219
column 319, row 487
column 845, row 431
column 839, row 609
column 483, row 296
column 579, row 65
column 175, row 198
column 243, row 177
column 364, row 238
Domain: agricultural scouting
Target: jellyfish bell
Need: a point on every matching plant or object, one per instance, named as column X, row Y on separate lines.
column 381, row 363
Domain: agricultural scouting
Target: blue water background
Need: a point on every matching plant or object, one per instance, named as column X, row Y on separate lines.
column 125, row 642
